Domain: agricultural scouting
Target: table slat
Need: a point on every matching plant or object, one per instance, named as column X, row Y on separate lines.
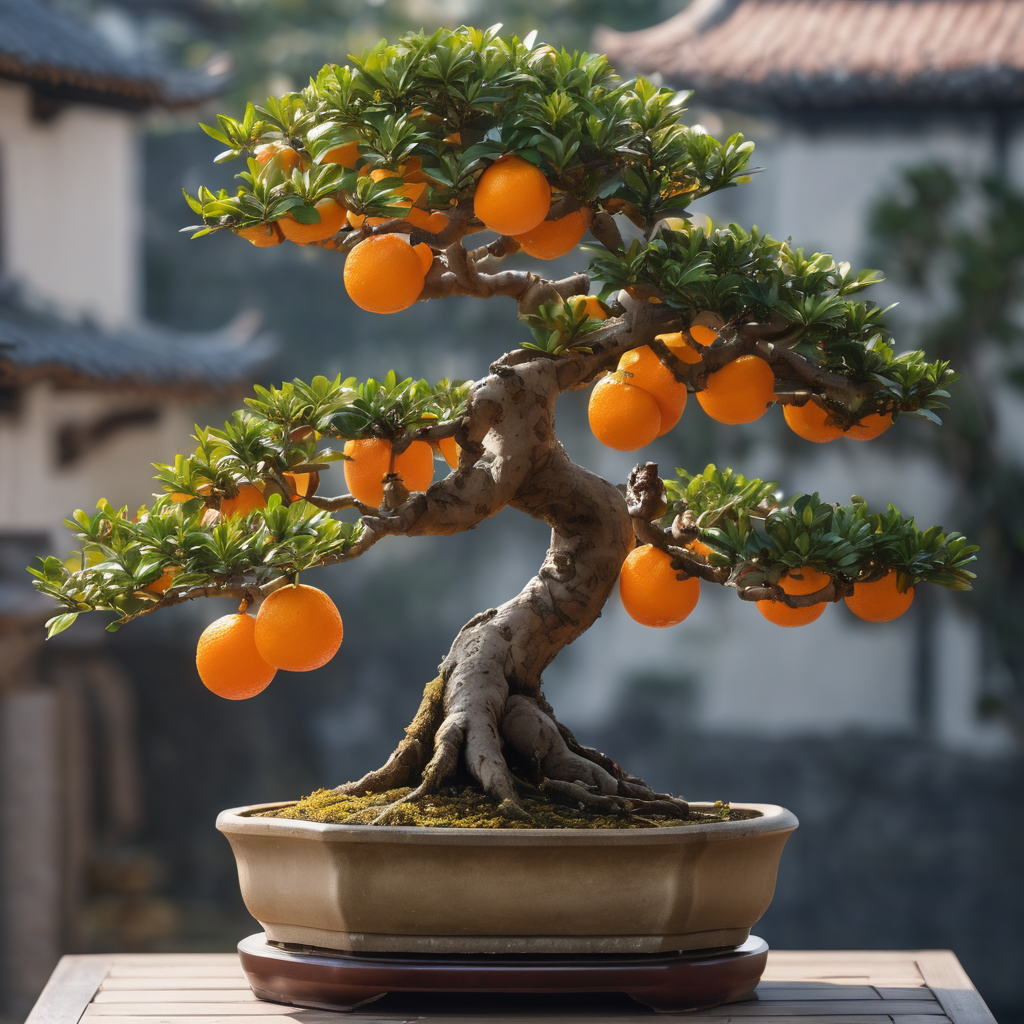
column 146, row 984
column 830, row 1007
column 232, row 995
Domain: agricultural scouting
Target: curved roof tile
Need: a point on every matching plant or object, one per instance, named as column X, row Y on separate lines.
column 830, row 54
column 66, row 59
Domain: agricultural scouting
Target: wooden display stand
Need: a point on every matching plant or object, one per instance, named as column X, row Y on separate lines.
column 329, row 980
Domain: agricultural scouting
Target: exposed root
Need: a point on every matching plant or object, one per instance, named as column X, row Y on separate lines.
column 404, row 766
column 473, row 735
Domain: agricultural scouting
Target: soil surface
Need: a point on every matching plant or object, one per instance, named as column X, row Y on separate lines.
column 465, row 807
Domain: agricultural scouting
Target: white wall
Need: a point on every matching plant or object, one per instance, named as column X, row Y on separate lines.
column 70, row 207
column 38, row 495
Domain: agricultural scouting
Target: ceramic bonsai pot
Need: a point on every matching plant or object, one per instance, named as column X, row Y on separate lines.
column 393, row 889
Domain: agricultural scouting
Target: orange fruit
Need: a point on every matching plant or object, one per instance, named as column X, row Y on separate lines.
column 248, row 499
column 449, row 449
column 879, row 601
column 332, row 217
column 622, row 416
column 165, row 582
column 650, row 590
column 298, row 628
column 810, row 421
column 594, row 307
column 261, row 235
column 739, row 392
column 678, row 346
column 385, row 274
column 368, row 464
column 512, row 196
column 654, row 377
column 870, row 426
column 703, row 335
column 228, row 661
column 796, row 581
column 301, row 485
column 698, row 547
column 346, row 154
column 553, row 238
column 279, row 156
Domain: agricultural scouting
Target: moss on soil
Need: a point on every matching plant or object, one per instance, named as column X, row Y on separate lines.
column 455, row 807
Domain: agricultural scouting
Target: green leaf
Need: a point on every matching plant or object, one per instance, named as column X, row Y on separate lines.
column 59, row 623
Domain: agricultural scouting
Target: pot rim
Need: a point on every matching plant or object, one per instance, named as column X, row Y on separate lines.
column 239, row 821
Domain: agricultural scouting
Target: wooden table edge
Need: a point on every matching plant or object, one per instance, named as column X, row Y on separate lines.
column 77, row 978
column 71, row 988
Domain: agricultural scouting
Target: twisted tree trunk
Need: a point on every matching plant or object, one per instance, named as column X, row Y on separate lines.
column 487, row 707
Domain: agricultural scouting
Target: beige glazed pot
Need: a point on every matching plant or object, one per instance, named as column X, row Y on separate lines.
column 453, row 890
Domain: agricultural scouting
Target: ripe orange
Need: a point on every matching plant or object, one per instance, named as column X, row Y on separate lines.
column 553, row 238
column 677, row 345
column 165, row 582
column 248, row 499
column 368, row 465
column 698, row 547
column 796, row 581
column 261, row 235
column 301, row 485
column 298, row 628
column 870, row 427
column 512, row 196
column 385, row 274
column 879, row 601
column 650, row 591
column 810, row 421
column 279, row 156
column 654, row 377
column 622, row 416
column 594, row 307
column 332, row 217
column 703, row 335
column 449, row 449
column 740, row 392
column 227, row 659
column 346, row 154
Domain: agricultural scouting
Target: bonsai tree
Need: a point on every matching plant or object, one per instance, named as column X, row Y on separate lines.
column 396, row 162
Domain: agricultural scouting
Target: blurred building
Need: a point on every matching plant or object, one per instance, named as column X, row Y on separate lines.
column 90, row 395
column 840, row 96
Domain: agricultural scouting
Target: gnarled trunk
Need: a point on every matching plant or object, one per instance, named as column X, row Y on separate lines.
column 487, row 704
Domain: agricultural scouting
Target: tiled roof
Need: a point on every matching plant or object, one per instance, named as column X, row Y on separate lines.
column 834, row 53
column 151, row 359
column 67, row 60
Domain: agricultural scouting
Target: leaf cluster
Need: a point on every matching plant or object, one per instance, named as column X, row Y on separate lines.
column 750, row 529
column 559, row 328
column 119, row 556
column 749, row 277
column 455, row 101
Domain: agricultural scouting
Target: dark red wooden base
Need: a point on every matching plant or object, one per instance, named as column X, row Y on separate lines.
column 330, row 980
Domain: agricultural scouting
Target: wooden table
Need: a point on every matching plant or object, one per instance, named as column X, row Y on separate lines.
column 855, row 987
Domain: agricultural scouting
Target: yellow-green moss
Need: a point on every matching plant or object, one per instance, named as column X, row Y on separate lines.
column 469, row 808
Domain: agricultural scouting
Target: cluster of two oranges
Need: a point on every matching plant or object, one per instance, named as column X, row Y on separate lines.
column 371, row 460
column 298, row 629
column 878, row 601
column 642, row 399
column 385, row 274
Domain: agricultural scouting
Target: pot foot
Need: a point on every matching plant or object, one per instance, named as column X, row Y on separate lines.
column 665, row 982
